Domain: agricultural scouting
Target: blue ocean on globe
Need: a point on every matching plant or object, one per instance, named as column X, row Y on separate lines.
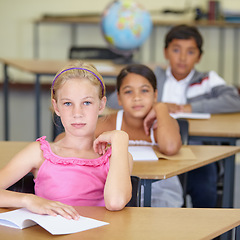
column 126, row 25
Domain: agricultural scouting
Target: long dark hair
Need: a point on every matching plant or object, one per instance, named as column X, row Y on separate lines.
column 139, row 69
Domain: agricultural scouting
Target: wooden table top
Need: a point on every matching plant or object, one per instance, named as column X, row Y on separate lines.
column 158, row 20
column 163, row 169
column 142, row 223
column 218, row 125
column 160, row 169
column 44, row 66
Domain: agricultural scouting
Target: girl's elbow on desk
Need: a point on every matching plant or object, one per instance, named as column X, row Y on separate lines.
column 116, row 204
column 117, row 200
column 170, row 148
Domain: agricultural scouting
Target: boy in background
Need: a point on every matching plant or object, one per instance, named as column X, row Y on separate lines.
column 184, row 89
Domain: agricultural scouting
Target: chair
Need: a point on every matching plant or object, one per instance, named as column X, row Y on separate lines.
column 184, row 126
column 57, row 126
column 136, row 192
column 24, row 185
column 91, row 52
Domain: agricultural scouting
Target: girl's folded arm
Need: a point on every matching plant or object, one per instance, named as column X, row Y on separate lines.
column 118, row 187
column 168, row 134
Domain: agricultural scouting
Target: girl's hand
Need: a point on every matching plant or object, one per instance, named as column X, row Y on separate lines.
column 173, row 108
column 101, row 142
column 43, row 206
column 149, row 121
column 186, row 108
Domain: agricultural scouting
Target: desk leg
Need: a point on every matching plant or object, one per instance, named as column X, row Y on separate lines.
column 221, row 52
column 153, row 44
column 147, row 184
column 74, row 34
column 228, row 186
column 36, row 40
column 237, row 232
column 6, row 113
column 236, row 58
column 37, row 102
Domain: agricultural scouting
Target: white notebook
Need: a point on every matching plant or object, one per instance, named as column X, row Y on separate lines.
column 22, row 218
column 191, row 115
column 142, row 153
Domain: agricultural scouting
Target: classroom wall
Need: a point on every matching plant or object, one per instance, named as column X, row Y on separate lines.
column 16, row 25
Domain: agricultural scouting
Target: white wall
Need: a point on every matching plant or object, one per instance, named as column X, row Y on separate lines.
column 16, row 25
column 16, row 30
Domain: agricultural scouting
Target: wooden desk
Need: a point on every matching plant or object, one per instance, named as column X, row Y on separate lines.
column 142, row 223
column 42, row 68
column 150, row 171
column 220, row 128
column 163, row 169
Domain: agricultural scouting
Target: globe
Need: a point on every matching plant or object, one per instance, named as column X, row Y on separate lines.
column 126, row 25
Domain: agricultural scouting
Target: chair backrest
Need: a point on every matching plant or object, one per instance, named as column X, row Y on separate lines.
column 24, row 185
column 89, row 52
column 136, row 192
column 184, row 127
column 57, row 126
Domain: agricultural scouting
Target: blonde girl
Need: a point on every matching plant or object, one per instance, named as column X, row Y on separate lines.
column 78, row 170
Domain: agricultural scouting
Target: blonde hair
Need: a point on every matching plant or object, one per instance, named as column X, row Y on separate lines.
column 78, row 69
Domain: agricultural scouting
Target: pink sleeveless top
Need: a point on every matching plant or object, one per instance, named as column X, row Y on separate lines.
column 73, row 181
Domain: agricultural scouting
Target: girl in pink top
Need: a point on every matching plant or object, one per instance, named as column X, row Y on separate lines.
column 79, row 169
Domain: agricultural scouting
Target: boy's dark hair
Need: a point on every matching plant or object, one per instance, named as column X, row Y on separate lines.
column 184, row 32
column 139, row 69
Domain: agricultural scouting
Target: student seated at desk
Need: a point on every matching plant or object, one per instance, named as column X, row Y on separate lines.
column 183, row 89
column 137, row 94
column 78, row 170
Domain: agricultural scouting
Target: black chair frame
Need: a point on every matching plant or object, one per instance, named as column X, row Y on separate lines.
column 136, row 192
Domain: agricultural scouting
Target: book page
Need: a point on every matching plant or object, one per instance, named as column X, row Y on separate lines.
column 191, row 115
column 142, row 153
column 185, row 153
column 151, row 153
column 23, row 218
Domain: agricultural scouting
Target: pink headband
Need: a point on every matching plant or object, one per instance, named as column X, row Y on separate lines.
column 80, row 69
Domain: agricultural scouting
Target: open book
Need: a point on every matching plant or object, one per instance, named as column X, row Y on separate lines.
column 191, row 115
column 22, row 218
column 151, row 153
column 142, row 153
